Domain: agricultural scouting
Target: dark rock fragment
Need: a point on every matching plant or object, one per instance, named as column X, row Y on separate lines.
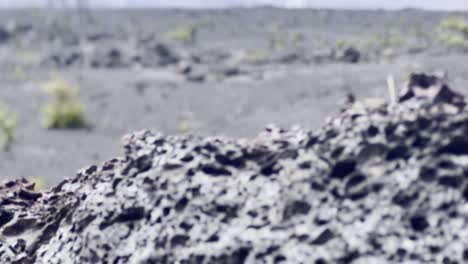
column 165, row 56
column 422, row 80
column 348, row 55
column 4, row 35
column 196, row 75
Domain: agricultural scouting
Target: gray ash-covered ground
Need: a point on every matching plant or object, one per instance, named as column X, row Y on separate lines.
column 244, row 68
column 378, row 183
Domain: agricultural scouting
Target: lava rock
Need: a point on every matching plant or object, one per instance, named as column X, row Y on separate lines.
column 4, row 35
column 349, row 192
column 349, row 55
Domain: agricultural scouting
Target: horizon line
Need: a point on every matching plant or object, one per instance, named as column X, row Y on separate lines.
column 258, row 6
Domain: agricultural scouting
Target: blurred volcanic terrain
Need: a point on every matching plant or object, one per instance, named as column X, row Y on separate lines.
column 206, row 72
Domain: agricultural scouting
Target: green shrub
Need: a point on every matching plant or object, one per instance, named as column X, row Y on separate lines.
column 255, row 56
column 278, row 40
column 65, row 109
column 341, row 44
column 183, row 34
column 7, row 126
column 184, row 126
column 39, row 183
column 454, row 32
column 390, row 38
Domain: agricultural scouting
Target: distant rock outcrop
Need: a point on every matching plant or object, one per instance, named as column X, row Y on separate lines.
column 384, row 184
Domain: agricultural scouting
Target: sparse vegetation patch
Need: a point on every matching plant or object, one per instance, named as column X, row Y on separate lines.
column 65, row 109
column 7, row 126
column 454, row 32
column 183, row 34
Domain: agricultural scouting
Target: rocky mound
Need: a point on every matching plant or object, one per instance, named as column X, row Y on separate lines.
column 377, row 184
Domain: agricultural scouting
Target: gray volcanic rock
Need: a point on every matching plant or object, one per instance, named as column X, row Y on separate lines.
column 377, row 184
column 4, row 35
column 348, row 55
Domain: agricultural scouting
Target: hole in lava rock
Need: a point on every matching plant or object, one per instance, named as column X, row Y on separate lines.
column 213, row 238
column 181, row 204
column 465, row 193
column 214, row 170
column 187, row 158
column 350, row 257
column 398, row 152
column 82, row 224
column 390, row 130
column 240, row 255
column 355, row 180
column 419, row 223
column 446, row 164
column 321, row 261
column 370, row 151
column 279, row 259
column 404, row 199
column 131, row 214
column 372, row 131
column 270, row 168
column 423, row 122
column 337, row 152
column 465, row 254
column 296, row 208
column 229, row 161
column 144, row 163
column 421, row 141
column 359, row 194
column 179, row 240
column 343, row 168
column 305, row 165
column 19, row 227
column 457, row 146
column 451, row 181
column 427, row 174
column 5, row 217
column 324, row 237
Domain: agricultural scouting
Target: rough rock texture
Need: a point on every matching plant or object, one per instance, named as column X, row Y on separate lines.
column 377, row 184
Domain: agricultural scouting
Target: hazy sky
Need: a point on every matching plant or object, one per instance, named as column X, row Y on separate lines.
column 390, row 4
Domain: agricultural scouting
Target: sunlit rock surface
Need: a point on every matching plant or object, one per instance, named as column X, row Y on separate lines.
column 376, row 184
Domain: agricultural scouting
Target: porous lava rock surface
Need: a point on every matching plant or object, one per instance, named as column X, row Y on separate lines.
column 380, row 183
